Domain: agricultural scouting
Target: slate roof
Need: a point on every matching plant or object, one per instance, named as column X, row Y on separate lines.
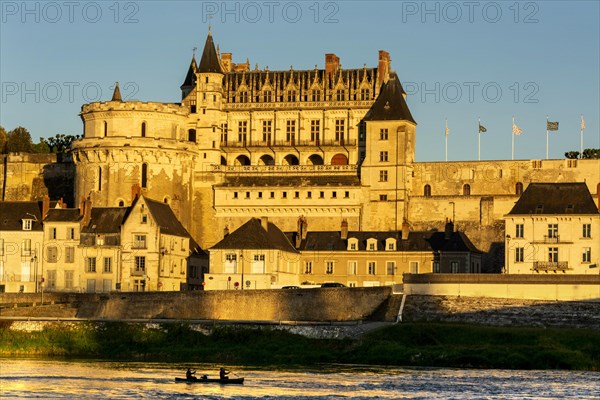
column 105, row 220
column 63, row 215
column 165, row 218
column 417, row 241
column 209, row 61
column 291, row 181
column 252, row 236
column 190, row 78
column 13, row 212
column 390, row 104
column 555, row 198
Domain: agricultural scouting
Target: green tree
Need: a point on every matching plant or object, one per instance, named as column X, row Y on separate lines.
column 19, row 140
column 3, row 138
column 572, row 154
column 591, row 154
column 60, row 143
column 41, row 147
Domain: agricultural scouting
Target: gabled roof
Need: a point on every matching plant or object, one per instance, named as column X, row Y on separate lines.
column 252, row 236
column 209, row 61
column 417, row 241
column 190, row 78
column 63, row 215
column 165, row 218
column 12, row 214
column 105, row 220
column 555, row 199
column 390, row 104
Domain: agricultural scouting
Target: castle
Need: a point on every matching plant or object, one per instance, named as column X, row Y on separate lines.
column 329, row 145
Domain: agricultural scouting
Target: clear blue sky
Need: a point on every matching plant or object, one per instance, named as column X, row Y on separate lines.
column 457, row 60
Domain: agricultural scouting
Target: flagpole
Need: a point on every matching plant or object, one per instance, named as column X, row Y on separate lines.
column 581, row 144
column 513, row 140
column 546, row 137
column 446, row 133
column 479, row 141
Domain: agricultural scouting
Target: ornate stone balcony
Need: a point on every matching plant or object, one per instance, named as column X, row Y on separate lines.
column 288, row 143
column 550, row 266
column 261, row 169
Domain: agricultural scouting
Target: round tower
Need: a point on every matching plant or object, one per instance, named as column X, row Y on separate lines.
column 131, row 144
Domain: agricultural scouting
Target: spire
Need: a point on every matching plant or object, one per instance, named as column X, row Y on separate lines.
column 209, row 61
column 190, row 78
column 117, row 93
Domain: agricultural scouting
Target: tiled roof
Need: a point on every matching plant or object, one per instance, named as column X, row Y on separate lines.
column 555, row 199
column 252, row 236
column 105, row 220
column 12, row 214
column 390, row 104
column 417, row 241
column 190, row 78
column 292, row 181
column 63, row 215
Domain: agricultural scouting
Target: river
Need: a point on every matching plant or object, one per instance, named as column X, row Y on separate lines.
column 44, row 379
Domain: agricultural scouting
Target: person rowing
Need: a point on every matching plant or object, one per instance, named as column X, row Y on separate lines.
column 223, row 374
column 190, row 374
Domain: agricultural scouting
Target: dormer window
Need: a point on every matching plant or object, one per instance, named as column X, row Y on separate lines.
column 390, row 244
column 372, row 244
column 27, row 224
column 353, row 244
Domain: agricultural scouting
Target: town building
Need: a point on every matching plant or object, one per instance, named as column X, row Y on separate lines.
column 258, row 255
column 553, row 228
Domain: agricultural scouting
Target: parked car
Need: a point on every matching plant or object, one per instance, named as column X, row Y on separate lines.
column 290, row 287
column 332, row 284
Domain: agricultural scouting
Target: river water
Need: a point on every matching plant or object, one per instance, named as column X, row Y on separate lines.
column 42, row 379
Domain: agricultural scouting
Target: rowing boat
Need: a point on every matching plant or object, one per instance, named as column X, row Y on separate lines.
column 230, row 381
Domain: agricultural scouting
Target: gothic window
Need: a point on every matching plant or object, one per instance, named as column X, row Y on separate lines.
column 267, row 130
column 291, row 95
column 339, row 95
column 316, row 95
column 242, row 131
column 466, row 189
column 340, row 128
column 427, row 191
column 267, row 96
column 143, row 129
column 290, row 131
column 243, row 96
column 364, row 94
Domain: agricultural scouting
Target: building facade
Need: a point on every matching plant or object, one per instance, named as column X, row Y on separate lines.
column 553, row 228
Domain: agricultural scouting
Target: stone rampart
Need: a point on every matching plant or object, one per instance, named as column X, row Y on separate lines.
column 317, row 305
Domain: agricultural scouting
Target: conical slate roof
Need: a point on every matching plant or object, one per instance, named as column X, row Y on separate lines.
column 117, row 93
column 390, row 104
column 209, row 61
column 190, row 78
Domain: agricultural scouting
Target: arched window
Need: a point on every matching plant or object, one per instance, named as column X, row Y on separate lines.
column 99, row 178
column 466, row 189
column 143, row 129
column 121, row 203
column 144, row 175
column 105, row 128
column 427, row 191
column 519, row 189
column 166, row 200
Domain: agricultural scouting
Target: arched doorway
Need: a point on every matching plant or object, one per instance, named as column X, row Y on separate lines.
column 266, row 160
column 339, row 159
column 242, row 160
column 223, row 161
column 315, row 159
column 291, row 159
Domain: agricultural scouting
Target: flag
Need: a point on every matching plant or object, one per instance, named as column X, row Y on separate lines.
column 482, row 128
column 551, row 126
column 447, row 130
column 582, row 123
column 516, row 130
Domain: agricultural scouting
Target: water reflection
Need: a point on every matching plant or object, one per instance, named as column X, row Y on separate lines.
column 33, row 378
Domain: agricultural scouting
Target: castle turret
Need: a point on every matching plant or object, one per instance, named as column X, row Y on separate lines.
column 190, row 79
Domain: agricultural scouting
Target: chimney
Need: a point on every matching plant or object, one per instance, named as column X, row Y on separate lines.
column 304, row 228
column 226, row 62
column 226, row 231
column 45, row 206
column 264, row 222
column 383, row 68
column 332, row 63
column 448, row 230
column 405, row 230
column 135, row 191
column 82, row 206
column 87, row 213
column 344, row 230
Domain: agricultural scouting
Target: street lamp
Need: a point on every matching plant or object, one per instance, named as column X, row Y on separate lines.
column 34, row 262
column 242, row 262
column 507, row 257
